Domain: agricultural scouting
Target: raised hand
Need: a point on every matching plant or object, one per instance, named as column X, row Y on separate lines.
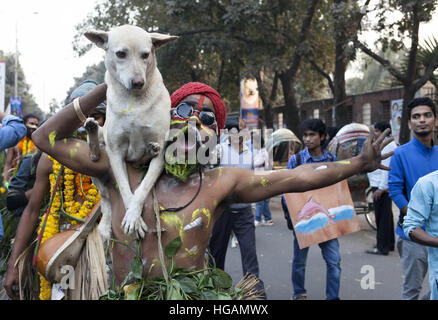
column 372, row 149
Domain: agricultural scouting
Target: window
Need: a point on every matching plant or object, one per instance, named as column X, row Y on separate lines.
column 366, row 114
column 280, row 120
column 316, row 113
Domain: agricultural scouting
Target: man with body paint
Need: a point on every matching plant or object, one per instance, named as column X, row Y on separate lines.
column 200, row 196
column 314, row 135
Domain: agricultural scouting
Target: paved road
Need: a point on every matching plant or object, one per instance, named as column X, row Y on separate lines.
column 275, row 249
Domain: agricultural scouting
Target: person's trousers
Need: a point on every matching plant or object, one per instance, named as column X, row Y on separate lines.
column 242, row 223
column 385, row 235
column 262, row 209
column 433, row 287
column 332, row 257
column 413, row 257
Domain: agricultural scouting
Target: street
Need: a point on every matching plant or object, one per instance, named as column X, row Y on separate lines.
column 275, row 249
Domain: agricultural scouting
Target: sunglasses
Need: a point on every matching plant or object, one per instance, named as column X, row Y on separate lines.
column 184, row 110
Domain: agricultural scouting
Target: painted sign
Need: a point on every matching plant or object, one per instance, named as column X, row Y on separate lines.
column 322, row 214
column 249, row 103
column 2, row 85
column 396, row 116
column 16, row 106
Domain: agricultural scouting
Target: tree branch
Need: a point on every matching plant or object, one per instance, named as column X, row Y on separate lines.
column 305, row 29
column 385, row 63
column 427, row 74
column 188, row 33
column 323, row 73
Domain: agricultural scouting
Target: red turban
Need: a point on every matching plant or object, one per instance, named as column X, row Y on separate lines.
column 200, row 88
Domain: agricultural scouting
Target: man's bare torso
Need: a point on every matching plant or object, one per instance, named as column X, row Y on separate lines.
column 193, row 224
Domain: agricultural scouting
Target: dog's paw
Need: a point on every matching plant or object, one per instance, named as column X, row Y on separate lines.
column 154, row 148
column 133, row 223
column 91, row 125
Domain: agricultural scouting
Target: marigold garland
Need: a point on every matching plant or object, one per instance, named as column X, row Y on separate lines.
column 64, row 201
column 26, row 145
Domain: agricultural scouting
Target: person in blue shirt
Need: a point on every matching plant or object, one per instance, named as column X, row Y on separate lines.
column 12, row 130
column 314, row 135
column 423, row 211
column 410, row 162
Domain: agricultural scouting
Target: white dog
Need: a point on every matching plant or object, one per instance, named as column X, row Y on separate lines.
column 138, row 112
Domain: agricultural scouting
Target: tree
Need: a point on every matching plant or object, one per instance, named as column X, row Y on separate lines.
column 95, row 72
column 23, row 89
column 407, row 27
column 223, row 41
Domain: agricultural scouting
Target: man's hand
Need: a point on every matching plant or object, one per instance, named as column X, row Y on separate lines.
column 378, row 194
column 371, row 151
column 11, row 283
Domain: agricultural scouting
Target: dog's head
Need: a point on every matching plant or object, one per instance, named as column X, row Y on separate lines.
column 130, row 53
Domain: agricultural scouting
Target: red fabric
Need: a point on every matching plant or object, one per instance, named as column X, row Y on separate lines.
column 200, row 88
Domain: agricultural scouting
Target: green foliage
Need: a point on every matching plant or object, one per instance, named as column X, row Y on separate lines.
column 95, row 72
column 206, row 284
column 220, row 41
column 396, row 20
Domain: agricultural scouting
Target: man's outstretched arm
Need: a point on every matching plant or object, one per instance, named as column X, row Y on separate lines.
column 251, row 187
column 55, row 136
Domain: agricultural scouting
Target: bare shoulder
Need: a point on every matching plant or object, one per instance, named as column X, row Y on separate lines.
column 45, row 165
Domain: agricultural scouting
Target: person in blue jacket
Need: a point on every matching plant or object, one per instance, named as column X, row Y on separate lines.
column 12, row 130
column 410, row 162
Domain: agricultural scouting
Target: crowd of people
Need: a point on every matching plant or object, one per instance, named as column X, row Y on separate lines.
column 214, row 201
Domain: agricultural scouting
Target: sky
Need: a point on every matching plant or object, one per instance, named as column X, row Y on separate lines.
column 45, row 30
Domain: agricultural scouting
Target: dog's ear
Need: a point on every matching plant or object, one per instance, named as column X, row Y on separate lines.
column 100, row 38
column 159, row 39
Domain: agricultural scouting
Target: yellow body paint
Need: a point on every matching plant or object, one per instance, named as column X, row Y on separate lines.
column 286, row 179
column 193, row 251
column 172, row 220
column 131, row 103
column 52, row 136
column 73, row 152
column 177, row 121
column 264, row 182
column 204, row 211
column 344, row 162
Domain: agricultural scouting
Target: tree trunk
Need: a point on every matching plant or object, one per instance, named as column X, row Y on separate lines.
column 409, row 87
column 267, row 101
column 291, row 116
column 288, row 78
column 340, row 94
